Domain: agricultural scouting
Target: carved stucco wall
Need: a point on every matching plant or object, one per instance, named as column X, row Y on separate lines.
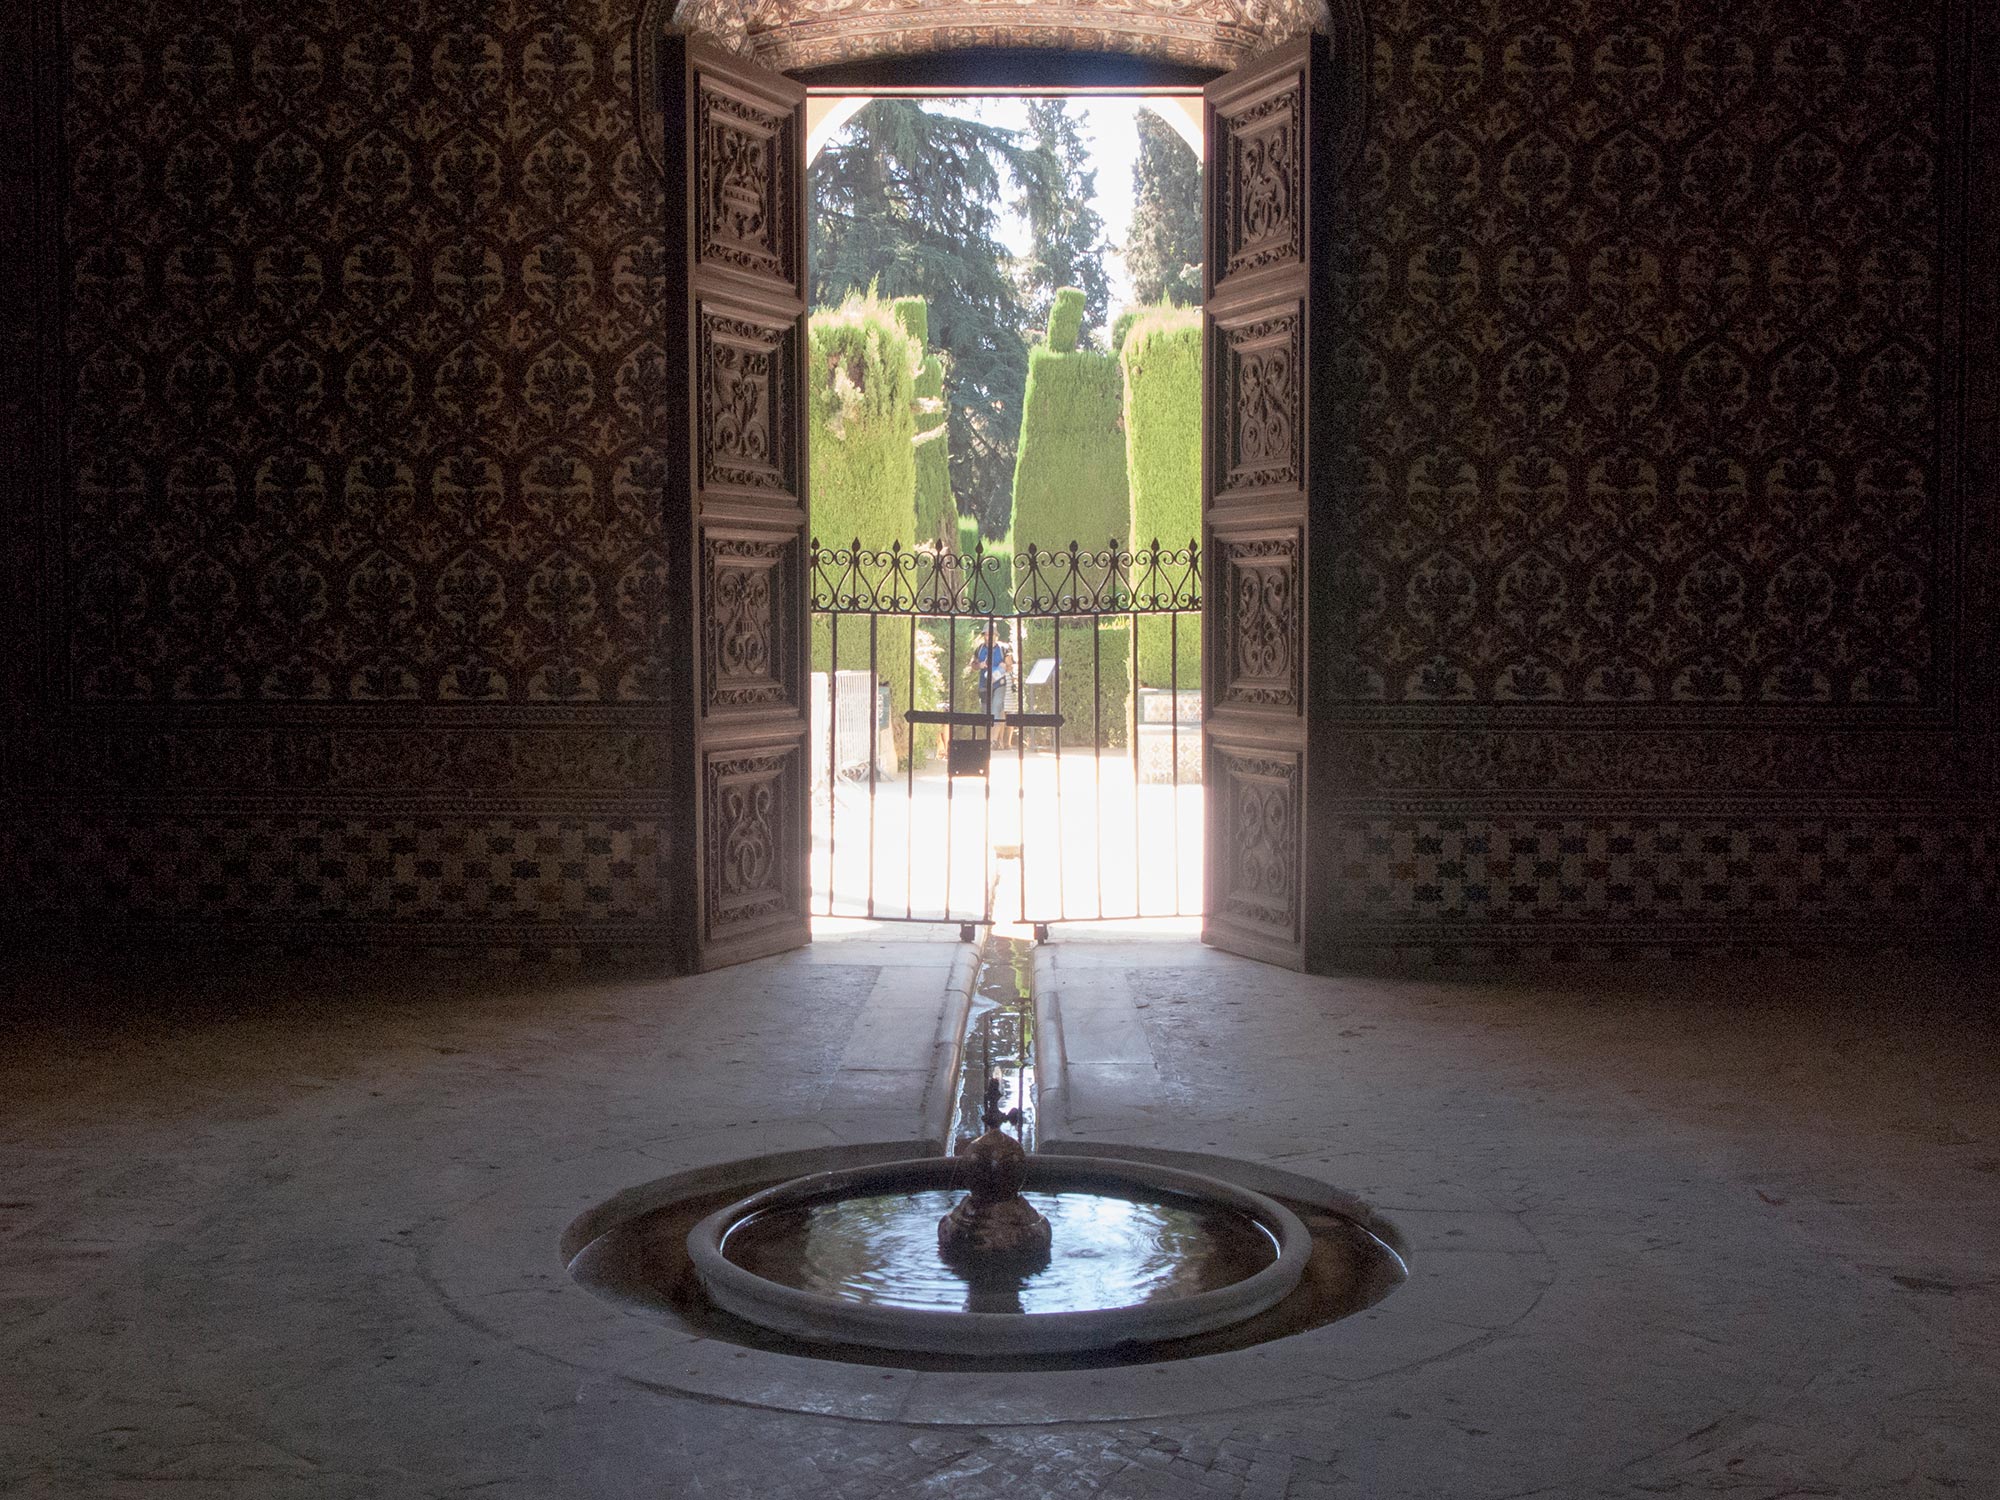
column 1669, row 550
column 1671, row 525
column 352, row 565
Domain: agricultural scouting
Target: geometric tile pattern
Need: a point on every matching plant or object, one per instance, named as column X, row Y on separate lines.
column 282, row 869
column 1626, row 875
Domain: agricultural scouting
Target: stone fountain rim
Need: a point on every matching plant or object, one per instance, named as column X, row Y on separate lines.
column 834, row 1320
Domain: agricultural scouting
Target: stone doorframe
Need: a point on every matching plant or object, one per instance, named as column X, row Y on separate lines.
column 731, row 142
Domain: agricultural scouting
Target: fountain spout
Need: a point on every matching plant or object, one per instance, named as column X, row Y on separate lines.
column 993, row 1226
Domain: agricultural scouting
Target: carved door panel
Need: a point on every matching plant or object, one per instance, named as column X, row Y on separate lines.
column 733, row 150
column 1269, row 176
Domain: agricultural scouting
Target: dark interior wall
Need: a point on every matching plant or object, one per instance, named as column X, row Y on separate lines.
column 331, row 551
column 350, row 554
column 1668, row 513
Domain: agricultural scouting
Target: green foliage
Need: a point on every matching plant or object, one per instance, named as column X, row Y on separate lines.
column 861, row 383
column 1069, row 486
column 914, row 313
column 1163, row 253
column 907, row 198
column 1096, row 677
column 1161, row 357
column 860, row 388
column 1066, row 244
column 937, row 512
column 1069, row 482
column 1120, row 327
column 993, row 589
column 1066, row 321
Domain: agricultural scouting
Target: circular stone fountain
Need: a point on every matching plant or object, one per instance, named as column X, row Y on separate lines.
column 993, row 1259
column 823, row 1251
column 1043, row 1256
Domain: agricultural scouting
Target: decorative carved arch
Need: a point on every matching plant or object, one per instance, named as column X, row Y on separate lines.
column 789, row 35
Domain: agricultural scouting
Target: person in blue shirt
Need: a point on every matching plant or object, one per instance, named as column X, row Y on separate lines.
column 993, row 664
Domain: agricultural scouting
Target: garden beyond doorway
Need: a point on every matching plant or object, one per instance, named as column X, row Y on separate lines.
column 1004, row 397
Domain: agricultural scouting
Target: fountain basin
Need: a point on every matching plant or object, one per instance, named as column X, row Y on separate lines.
column 1217, row 1227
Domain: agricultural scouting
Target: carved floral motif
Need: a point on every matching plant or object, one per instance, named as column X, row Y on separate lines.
column 744, row 189
column 1261, row 820
column 741, row 665
column 746, row 404
column 788, row 34
column 1264, row 626
column 377, row 388
column 1689, row 458
column 1266, row 408
column 1263, row 189
column 1646, row 387
column 749, row 840
column 1262, row 399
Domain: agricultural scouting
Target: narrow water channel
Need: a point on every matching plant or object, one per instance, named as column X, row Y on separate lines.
column 999, row 1040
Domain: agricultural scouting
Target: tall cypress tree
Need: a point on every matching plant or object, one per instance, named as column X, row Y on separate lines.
column 907, row 200
column 1066, row 245
column 1163, row 254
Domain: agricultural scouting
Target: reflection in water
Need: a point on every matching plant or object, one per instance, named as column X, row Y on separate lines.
column 999, row 1041
column 1109, row 1252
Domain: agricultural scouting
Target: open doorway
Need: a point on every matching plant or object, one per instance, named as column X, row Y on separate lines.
column 1004, row 401
column 736, row 873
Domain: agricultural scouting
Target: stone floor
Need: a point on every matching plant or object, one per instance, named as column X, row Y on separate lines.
column 272, row 1232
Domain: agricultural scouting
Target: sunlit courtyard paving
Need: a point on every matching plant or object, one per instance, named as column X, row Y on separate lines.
column 1092, row 842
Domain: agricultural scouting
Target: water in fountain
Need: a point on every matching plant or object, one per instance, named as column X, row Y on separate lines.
column 1107, row 1251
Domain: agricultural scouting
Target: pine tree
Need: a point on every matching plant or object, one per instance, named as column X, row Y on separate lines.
column 906, row 200
column 1163, row 254
column 1065, row 232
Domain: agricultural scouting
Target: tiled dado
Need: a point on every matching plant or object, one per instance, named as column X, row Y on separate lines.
column 434, row 878
column 1619, row 877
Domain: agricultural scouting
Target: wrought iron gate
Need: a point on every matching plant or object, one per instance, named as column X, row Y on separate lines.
column 1080, row 765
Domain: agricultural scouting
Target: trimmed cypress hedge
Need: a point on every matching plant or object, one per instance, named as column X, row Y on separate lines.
column 1066, row 320
column 1069, row 478
column 862, row 424
column 937, row 512
column 1069, row 486
column 968, row 534
column 1162, row 364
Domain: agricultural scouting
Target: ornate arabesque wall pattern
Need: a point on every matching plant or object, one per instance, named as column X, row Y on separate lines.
column 355, row 570
column 1669, row 507
column 1649, row 352
column 367, row 376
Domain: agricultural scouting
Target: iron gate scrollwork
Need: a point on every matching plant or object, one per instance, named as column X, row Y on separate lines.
column 1041, row 707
